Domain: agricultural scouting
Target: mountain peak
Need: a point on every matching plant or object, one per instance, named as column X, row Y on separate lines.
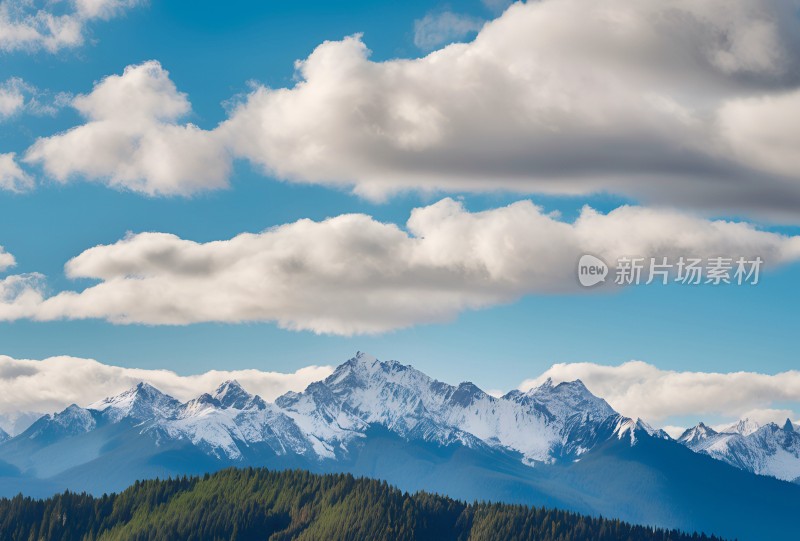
column 788, row 426
column 547, row 384
column 364, row 358
column 575, row 385
column 745, row 427
column 696, row 434
column 229, row 386
column 466, row 393
column 570, row 394
column 231, row 394
column 355, row 370
column 144, row 390
column 71, row 421
column 140, row 402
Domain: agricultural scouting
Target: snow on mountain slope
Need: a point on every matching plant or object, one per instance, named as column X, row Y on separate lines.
column 141, row 403
column 230, row 394
column 633, row 427
column 575, row 417
column 364, row 392
column 745, row 427
column 72, row 421
column 3, row 435
column 766, row 450
column 334, row 420
column 696, row 436
column 545, row 425
column 390, row 421
column 230, row 421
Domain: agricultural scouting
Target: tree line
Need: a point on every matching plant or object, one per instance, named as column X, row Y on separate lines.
column 262, row 505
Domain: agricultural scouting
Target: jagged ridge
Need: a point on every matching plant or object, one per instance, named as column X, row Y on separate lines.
column 546, row 424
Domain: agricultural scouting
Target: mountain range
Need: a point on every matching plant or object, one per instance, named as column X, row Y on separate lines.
column 555, row 445
column 764, row 450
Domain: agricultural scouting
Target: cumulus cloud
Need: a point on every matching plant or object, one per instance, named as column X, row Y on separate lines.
column 351, row 274
column 12, row 177
column 55, row 25
column 665, row 102
column 639, row 389
column 132, row 138
column 56, row 382
column 562, row 96
column 436, row 29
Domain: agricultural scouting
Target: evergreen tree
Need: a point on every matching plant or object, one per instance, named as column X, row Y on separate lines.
column 262, row 505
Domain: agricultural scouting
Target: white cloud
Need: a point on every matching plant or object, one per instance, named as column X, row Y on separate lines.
column 52, row 384
column 21, row 295
column 351, row 274
column 436, row 29
column 561, row 96
column 136, row 141
column 57, row 25
column 6, row 260
column 12, row 98
column 638, row 389
column 18, row 96
column 643, row 99
column 12, row 177
column 765, row 130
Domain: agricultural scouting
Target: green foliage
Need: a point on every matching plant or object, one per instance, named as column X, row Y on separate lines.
column 257, row 504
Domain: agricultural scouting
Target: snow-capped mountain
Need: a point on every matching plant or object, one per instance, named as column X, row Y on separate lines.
column 765, row 450
column 141, row 403
column 745, row 427
column 692, row 437
column 544, row 425
column 556, row 445
column 633, row 427
column 230, row 422
column 72, row 421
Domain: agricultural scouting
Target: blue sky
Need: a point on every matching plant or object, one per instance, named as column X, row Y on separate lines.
column 212, row 52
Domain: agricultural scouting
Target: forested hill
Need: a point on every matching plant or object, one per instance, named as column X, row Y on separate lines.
column 259, row 504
